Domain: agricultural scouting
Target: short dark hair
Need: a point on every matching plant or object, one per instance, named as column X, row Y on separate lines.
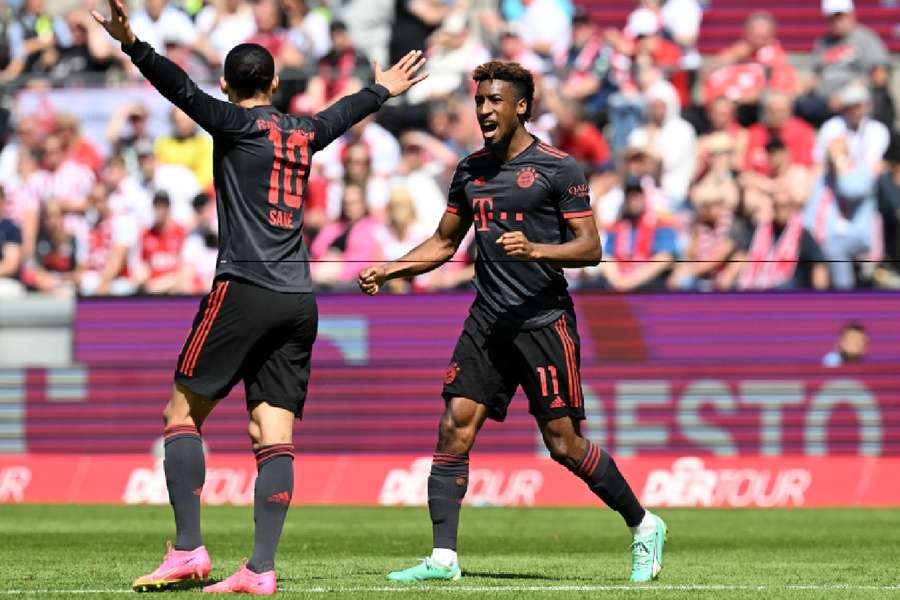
column 249, row 70
column 854, row 326
column 338, row 26
column 517, row 75
column 161, row 198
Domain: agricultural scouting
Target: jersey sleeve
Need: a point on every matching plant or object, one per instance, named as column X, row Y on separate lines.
column 457, row 203
column 215, row 116
column 572, row 190
column 335, row 120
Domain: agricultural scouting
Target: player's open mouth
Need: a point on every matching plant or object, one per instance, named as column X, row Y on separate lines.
column 488, row 129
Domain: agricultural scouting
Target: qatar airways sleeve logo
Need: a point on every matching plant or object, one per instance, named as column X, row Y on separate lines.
column 690, row 483
column 580, row 190
column 487, row 487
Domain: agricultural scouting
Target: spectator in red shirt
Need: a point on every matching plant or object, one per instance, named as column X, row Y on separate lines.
column 751, row 65
column 581, row 139
column 778, row 122
column 77, row 147
column 161, row 269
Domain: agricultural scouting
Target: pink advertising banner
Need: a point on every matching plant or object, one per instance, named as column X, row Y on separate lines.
column 498, row 480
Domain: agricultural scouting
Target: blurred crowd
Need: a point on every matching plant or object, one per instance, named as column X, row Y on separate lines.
column 732, row 171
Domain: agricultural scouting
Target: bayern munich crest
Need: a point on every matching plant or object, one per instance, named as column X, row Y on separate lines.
column 525, row 177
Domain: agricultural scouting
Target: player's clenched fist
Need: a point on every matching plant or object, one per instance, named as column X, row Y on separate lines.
column 371, row 280
column 516, row 245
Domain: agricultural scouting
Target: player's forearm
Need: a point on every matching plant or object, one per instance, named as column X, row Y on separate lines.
column 425, row 257
column 571, row 255
column 349, row 110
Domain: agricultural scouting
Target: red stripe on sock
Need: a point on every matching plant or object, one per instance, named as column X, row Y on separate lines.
column 591, row 461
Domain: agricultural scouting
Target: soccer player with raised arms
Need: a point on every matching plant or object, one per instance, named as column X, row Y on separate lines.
column 531, row 210
column 259, row 322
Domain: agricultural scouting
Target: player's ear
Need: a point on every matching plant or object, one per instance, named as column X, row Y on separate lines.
column 223, row 85
column 275, row 82
column 521, row 107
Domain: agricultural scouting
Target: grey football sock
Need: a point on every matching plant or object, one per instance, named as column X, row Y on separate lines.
column 272, row 498
column 447, row 487
column 185, row 470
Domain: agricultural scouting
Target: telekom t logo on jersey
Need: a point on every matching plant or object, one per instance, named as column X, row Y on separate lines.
column 483, row 211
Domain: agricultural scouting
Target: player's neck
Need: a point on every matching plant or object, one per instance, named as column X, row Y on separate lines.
column 518, row 143
column 254, row 102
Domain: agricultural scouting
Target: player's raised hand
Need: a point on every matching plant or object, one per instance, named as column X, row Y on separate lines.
column 516, row 245
column 117, row 25
column 402, row 75
column 370, row 280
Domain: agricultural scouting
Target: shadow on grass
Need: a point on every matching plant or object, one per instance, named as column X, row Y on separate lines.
column 524, row 576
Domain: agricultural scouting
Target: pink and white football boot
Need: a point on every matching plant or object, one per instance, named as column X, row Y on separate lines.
column 178, row 567
column 247, row 582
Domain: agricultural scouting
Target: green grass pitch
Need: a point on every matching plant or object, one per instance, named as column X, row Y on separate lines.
column 331, row 552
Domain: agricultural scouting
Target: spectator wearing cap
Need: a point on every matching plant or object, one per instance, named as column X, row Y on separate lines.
column 160, row 270
column 841, row 212
column 10, row 256
column 341, row 71
column 161, row 24
column 670, row 139
column 187, row 146
column 779, row 122
column 752, row 65
column 640, row 245
column 889, row 207
column 848, row 52
column 779, row 252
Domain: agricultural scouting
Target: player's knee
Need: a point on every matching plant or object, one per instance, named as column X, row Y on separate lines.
column 454, row 436
column 563, row 449
column 176, row 415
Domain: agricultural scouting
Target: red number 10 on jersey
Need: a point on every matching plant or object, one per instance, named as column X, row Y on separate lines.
column 289, row 167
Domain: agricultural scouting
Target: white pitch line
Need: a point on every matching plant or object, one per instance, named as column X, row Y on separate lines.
column 455, row 589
